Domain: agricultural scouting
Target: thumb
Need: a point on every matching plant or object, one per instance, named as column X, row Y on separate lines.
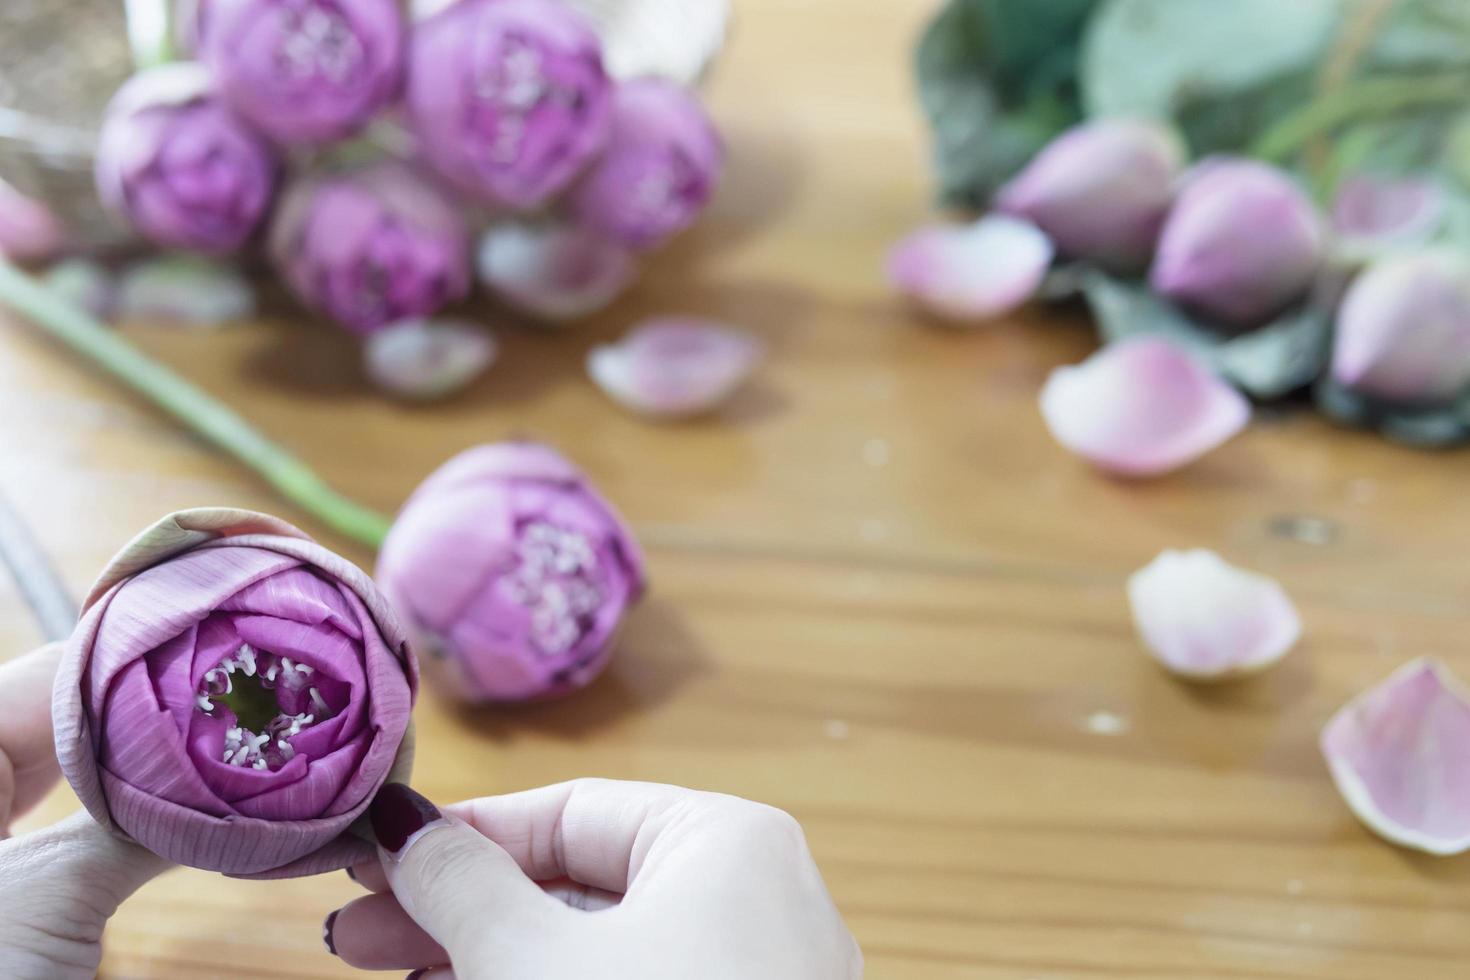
column 461, row 887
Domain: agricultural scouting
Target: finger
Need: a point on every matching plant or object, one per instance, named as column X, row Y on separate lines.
column 436, row 973
column 576, row 895
column 461, row 887
column 369, row 874
column 102, row 867
column 374, row 933
column 27, row 746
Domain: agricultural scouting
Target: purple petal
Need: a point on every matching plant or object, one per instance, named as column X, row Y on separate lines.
column 422, row 360
column 29, row 230
column 971, row 272
column 1205, row 619
column 1372, row 212
column 674, row 367
column 1398, row 755
column 555, row 272
column 1141, row 407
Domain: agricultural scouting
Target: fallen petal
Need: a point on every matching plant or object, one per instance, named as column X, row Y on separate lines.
column 1398, row 755
column 1205, row 619
column 1372, row 213
column 674, row 367
column 84, row 284
column 422, row 360
column 971, row 272
column 186, row 290
column 1141, row 407
column 555, row 272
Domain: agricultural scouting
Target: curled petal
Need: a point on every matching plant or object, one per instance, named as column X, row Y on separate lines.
column 555, row 272
column 1371, row 212
column 426, row 359
column 1141, row 407
column 674, row 367
column 1398, row 755
column 1205, row 619
column 184, row 290
column 971, row 272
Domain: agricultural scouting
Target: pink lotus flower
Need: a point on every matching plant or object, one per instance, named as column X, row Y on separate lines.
column 512, row 572
column 553, row 271
column 1398, row 755
column 508, row 98
column 234, row 696
column 1141, row 407
column 974, row 272
column 672, row 367
column 1207, row 620
column 1100, row 190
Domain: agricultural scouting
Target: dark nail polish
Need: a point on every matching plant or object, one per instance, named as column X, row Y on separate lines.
column 397, row 814
column 327, row 933
column 352, row 872
column 416, row 974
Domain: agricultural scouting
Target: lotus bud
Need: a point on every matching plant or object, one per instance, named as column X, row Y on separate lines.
column 1100, row 190
column 371, row 247
column 422, row 360
column 29, row 230
column 180, row 167
column 659, row 170
column 1403, row 330
column 304, row 71
column 1241, row 243
column 556, row 272
column 508, row 98
column 670, row 368
column 512, row 572
column 234, row 696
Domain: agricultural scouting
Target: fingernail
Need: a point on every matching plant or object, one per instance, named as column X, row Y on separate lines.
column 400, row 816
column 416, row 974
column 351, row 872
column 327, row 933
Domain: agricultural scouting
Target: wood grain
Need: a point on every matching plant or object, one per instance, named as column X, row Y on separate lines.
column 884, row 600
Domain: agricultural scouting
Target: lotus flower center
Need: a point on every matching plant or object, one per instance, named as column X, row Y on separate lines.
column 319, row 43
column 558, row 578
column 253, row 686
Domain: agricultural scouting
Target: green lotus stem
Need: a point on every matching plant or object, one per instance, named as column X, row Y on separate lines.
column 150, row 32
column 218, row 424
column 54, row 608
column 1372, row 97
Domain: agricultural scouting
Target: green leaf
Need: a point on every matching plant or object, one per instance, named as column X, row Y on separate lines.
column 1420, row 426
column 1267, row 362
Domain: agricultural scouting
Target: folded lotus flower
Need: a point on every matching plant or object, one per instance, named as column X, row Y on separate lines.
column 1207, row 620
column 1141, row 407
column 29, row 230
column 1403, row 330
column 370, row 247
column 973, row 272
column 234, row 696
column 512, row 573
column 422, row 360
column 1241, row 243
column 1398, row 755
column 556, row 272
column 675, row 367
column 660, row 168
column 304, row 71
column 184, row 289
column 1371, row 214
column 508, row 98
column 180, row 167
column 1100, row 190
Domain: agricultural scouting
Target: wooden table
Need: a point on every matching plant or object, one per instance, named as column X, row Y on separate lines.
column 884, row 599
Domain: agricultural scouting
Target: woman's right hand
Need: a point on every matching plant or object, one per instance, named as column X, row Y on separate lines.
column 593, row 878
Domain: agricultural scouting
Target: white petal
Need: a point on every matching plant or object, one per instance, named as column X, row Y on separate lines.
column 1141, row 407
column 674, row 367
column 1400, row 755
column 555, row 272
column 971, row 272
column 426, row 359
column 185, row 290
column 1205, row 619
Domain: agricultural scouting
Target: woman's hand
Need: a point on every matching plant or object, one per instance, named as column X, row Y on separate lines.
column 60, row 885
column 592, row 878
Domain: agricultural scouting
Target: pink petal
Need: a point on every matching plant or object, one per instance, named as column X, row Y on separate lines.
column 29, row 230
column 674, row 367
column 1141, row 407
column 555, row 272
column 971, row 272
column 1205, row 619
column 1398, row 753
column 426, row 359
column 1371, row 211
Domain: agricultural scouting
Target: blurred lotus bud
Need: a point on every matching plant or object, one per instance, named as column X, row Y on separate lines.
column 422, row 360
column 556, row 272
column 29, row 230
column 185, row 171
column 1241, row 243
column 370, row 247
column 1371, row 214
column 671, row 367
column 508, row 98
column 1403, row 330
column 512, row 572
column 660, row 168
column 304, row 71
column 971, row 273
column 1100, row 190
column 184, row 289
